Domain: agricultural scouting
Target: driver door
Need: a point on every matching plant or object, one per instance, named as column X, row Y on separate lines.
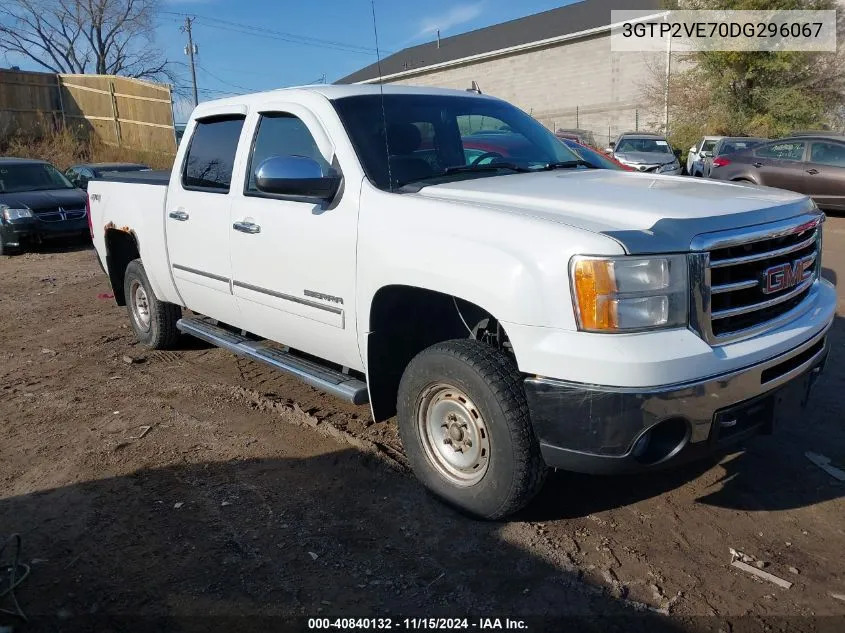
column 293, row 260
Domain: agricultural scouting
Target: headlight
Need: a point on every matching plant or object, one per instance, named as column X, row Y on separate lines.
column 621, row 294
column 670, row 166
column 15, row 214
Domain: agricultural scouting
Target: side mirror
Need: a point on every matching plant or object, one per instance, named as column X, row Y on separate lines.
column 296, row 176
column 608, row 149
column 677, row 153
column 693, row 149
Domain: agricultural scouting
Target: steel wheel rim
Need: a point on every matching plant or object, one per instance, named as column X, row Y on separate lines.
column 454, row 434
column 140, row 305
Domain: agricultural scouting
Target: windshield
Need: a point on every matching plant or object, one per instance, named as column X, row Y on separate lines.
column 31, row 177
column 437, row 138
column 649, row 145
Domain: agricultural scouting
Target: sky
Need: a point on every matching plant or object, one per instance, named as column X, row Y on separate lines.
column 246, row 45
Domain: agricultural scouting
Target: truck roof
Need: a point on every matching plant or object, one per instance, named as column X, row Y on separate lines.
column 329, row 91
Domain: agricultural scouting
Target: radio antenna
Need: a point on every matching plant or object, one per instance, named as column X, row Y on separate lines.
column 381, row 91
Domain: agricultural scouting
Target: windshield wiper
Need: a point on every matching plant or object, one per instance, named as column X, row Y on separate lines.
column 458, row 169
column 567, row 164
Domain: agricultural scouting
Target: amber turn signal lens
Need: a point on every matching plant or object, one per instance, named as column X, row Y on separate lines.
column 594, row 288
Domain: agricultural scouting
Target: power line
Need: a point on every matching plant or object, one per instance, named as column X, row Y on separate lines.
column 248, row 29
column 222, row 81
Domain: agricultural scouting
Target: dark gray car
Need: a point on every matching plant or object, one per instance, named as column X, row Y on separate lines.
column 812, row 165
column 725, row 146
column 37, row 203
column 79, row 175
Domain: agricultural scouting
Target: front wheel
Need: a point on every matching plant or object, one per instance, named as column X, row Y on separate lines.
column 5, row 251
column 153, row 321
column 465, row 426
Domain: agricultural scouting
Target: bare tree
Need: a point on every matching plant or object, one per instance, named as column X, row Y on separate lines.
column 106, row 37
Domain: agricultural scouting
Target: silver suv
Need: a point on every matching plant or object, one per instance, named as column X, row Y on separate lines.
column 646, row 152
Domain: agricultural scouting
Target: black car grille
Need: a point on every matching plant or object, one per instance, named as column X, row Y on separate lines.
column 752, row 283
column 59, row 214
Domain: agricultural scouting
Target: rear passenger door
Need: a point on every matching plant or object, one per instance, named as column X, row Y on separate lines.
column 825, row 174
column 197, row 218
column 294, row 271
column 780, row 164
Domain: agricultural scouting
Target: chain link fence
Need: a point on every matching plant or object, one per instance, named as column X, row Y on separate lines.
column 605, row 122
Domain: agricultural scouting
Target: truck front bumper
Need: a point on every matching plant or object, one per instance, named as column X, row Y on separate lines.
column 597, row 429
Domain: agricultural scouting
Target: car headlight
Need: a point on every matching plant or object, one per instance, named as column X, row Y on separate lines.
column 14, row 214
column 670, row 166
column 623, row 294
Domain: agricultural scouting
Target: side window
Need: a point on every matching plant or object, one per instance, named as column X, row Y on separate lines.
column 790, row 150
column 707, row 146
column 832, row 154
column 72, row 175
column 211, row 154
column 281, row 134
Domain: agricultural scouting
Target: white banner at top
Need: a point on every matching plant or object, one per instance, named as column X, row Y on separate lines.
column 688, row 31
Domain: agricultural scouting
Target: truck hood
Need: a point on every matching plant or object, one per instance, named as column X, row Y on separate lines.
column 44, row 200
column 645, row 213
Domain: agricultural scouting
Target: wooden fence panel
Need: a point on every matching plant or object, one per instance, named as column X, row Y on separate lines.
column 118, row 110
column 29, row 102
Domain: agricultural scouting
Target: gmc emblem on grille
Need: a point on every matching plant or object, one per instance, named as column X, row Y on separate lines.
column 787, row 275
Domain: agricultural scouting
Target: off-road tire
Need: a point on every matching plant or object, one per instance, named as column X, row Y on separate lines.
column 161, row 331
column 515, row 471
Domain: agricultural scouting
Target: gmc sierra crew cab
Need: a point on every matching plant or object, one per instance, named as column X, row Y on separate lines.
column 515, row 313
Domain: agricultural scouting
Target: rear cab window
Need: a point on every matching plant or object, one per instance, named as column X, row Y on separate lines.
column 210, row 158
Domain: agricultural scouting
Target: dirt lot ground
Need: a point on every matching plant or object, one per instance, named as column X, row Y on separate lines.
column 196, row 491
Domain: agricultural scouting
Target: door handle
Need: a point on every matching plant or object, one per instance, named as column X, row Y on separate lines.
column 179, row 214
column 757, row 164
column 247, row 227
column 812, row 172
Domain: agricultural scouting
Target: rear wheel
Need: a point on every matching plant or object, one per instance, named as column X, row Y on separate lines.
column 153, row 321
column 465, row 426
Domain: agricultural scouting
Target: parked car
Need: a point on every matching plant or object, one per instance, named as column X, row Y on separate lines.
column 811, row 165
column 514, row 315
column 650, row 153
column 79, row 175
column 726, row 146
column 584, row 137
column 595, row 156
column 697, row 153
column 37, row 203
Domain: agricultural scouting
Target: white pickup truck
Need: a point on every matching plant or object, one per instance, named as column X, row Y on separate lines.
column 442, row 256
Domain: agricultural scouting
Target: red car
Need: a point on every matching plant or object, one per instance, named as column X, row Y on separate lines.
column 511, row 146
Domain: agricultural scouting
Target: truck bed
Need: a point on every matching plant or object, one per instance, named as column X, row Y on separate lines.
column 157, row 177
column 133, row 203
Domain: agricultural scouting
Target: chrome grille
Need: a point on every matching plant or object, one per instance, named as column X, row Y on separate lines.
column 748, row 281
column 59, row 214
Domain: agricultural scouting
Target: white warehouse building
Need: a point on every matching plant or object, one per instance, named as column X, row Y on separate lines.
column 556, row 65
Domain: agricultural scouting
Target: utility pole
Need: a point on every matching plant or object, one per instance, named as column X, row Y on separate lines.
column 190, row 52
column 668, row 79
